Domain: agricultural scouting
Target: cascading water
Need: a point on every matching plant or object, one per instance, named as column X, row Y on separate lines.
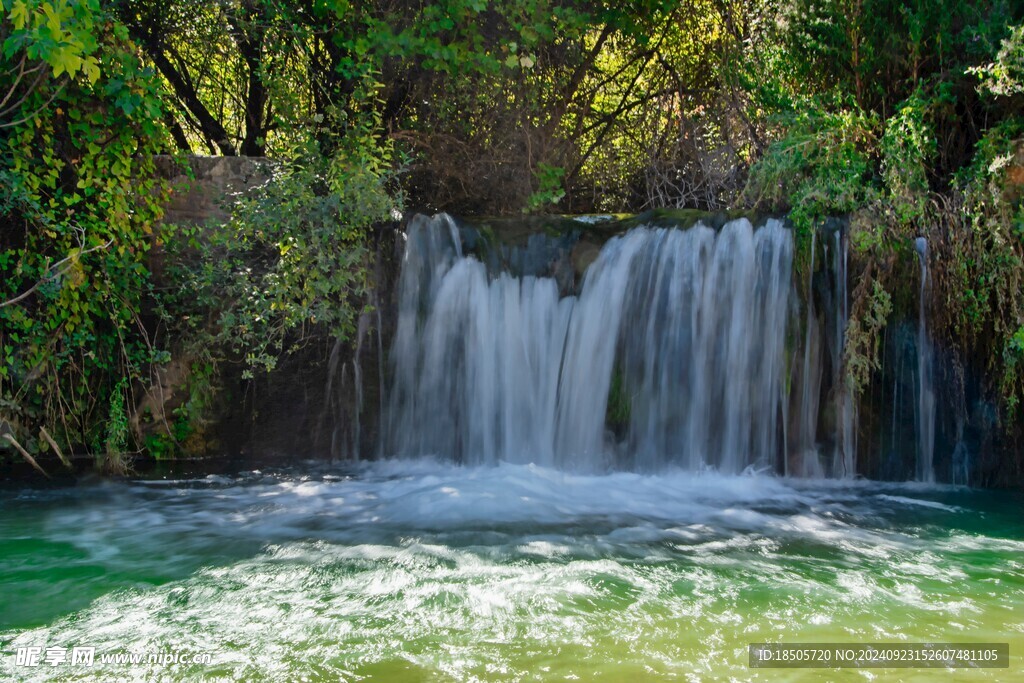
column 688, row 327
column 806, row 462
column 844, row 462
column 925, row 392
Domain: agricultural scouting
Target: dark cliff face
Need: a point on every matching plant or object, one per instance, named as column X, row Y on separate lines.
column 325, row 400
column 973, row 442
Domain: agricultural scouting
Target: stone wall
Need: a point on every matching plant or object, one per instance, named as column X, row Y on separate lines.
column 203, row 187
column 320, row 401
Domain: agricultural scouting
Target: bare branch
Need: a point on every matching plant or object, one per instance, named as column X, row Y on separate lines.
column 53, row 275
column 31, row 116
column 53, row 444
column 9, row 438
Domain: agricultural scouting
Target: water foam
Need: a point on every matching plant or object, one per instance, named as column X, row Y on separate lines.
column 427, row 569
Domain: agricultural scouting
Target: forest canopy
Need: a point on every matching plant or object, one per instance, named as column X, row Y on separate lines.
column 905, row 115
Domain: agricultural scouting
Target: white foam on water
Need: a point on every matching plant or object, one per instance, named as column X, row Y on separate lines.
column 462, row 572
column 918, row 501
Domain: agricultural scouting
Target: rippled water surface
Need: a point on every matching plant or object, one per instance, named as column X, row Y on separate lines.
column 417, row 570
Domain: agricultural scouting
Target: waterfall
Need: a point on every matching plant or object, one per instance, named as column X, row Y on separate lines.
column 844, row 460
column 677, row 337
column 925, row 378
column 807, row 462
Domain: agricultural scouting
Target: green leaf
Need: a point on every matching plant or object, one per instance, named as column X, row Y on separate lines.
column 19, row 15
column 92, row 69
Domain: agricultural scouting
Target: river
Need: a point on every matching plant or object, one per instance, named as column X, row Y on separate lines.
column 417, row 569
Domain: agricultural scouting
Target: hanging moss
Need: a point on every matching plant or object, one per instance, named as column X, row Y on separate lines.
column 863, row 334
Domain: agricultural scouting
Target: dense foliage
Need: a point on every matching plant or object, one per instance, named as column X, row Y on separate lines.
column 79, row 208
column 903, row 115
column 908, row 118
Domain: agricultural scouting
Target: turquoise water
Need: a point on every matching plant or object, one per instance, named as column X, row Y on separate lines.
column 410, row 571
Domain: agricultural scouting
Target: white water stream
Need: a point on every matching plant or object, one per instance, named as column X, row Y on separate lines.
column 683, row 332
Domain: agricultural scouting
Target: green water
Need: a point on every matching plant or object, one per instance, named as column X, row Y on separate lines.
column 427, row 572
